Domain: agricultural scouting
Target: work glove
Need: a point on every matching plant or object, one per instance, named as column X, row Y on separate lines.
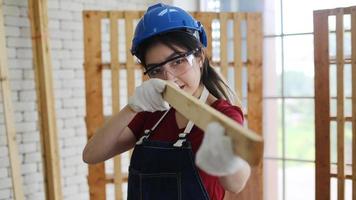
column 215, row 155
column 148, row 96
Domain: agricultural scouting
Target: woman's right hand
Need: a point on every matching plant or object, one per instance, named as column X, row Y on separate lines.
column 148, row 96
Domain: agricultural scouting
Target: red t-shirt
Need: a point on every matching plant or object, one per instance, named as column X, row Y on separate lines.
column 168, row 131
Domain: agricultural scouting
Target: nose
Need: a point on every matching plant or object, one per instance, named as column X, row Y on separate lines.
column 169, row 76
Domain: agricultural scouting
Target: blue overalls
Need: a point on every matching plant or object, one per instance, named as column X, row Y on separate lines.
column 165, row 170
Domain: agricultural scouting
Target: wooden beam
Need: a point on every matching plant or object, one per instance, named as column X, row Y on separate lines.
column 15, row 167
column 353, row 71
column 206, row 19
column 115, row 94
column 247, row 144
column 129, row 17
column 237, row 55
column 94, row 96
column 45, row 96
column 223, row 44
column 322, row 106
column 340, row 105
column 254, row 186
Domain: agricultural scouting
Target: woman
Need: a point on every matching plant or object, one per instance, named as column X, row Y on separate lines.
column 172, row 158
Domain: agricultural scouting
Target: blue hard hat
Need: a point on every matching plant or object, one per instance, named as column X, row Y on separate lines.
column 161, row 18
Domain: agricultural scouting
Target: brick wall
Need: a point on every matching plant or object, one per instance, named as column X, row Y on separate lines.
column 66, row 33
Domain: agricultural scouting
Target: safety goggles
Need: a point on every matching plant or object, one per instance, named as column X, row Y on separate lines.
column 176, row 65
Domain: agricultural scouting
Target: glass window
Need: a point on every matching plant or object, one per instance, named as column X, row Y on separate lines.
column 298, row 66
column 299, row 180
column 299, row 129
column 272, row 67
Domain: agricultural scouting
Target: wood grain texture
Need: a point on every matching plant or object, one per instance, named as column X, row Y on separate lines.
column 94, row 96
column 353, row 77
column 322, row 106
column 340, row 105
column 46, row 104
column 15, row 166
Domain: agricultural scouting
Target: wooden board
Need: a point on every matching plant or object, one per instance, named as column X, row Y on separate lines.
column 254, row 186
column 353, row 77
column 129, row 17
column 223, row 44
column 93, row 95
column 115, row 95
column 340, row 105
column 237, row 54
column 322, row 106
column 45, row 97
column 247, row 143
column 15, row 165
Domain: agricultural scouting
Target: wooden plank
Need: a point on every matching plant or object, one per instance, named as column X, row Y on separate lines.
column 353, row 66
column 129, row 17
column 201, row 114
column 115, row 91
column 45, row 96
column 15, row 168
column 223, row 44
column 346, row 119
column 237, row 55
column 322, row 106
column 346, row 10
column 254, row 187
column 94, row 97
column 110, row 178
column 206, row 19
column 340, row 105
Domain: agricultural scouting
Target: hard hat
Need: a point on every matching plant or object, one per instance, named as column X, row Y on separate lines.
column 161, row 18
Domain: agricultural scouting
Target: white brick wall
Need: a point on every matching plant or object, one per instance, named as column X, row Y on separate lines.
column 66, row 32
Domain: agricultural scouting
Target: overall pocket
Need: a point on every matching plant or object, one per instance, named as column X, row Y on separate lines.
column 154, row 186
column 160, row 186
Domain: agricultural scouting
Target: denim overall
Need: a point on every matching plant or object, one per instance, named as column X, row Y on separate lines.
column 165, row 170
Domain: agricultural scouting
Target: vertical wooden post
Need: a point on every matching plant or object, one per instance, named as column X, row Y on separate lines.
column 46, row 107
column 322, row 105
column 9, row 117
column 94, row 94
column 223, row 44
column 115, row 88
column 254, row 98
column 237, row 54
column 353, row 66
column 129, row 16
column 340, row 104
column 254, row 187
column 206, row 19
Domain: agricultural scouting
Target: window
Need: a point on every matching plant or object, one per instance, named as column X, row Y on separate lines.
column 289, row 160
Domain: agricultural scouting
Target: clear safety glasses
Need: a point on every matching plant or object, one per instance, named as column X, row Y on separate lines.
column 176, row 66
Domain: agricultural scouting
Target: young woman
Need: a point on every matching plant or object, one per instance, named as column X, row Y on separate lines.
column 172, row 158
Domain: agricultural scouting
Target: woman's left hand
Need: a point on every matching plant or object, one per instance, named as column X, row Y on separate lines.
column 215, row 155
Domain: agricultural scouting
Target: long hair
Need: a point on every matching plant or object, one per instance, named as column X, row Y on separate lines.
column 186, row 40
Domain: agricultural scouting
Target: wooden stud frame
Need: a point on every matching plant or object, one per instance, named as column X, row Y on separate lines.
column 15, row 165
column 94, row 66
column 45, row 96
column 322, row 62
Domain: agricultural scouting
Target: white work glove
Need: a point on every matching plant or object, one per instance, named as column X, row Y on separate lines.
column 215, row 155
column 148, row 96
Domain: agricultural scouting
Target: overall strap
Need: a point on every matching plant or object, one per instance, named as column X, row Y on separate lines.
column 188, row 128
column 148, row 132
